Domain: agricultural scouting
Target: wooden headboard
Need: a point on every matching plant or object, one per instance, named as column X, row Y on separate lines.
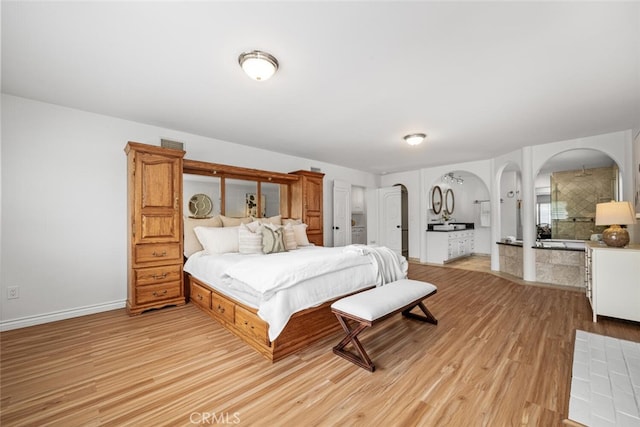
column 301, row 192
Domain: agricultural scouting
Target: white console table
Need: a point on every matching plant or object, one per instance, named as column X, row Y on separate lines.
column 613, row 280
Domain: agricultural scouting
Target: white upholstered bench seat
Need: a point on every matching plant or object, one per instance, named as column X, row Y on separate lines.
column 374, row 305
column 382, row 300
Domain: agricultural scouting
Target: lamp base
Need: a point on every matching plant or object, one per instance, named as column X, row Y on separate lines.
column 615, row 236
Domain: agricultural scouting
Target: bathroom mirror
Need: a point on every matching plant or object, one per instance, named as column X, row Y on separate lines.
column 200, row 205
column 436, row 199
column 449, row 202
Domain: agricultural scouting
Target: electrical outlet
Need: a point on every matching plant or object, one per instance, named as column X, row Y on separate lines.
column 13, row 292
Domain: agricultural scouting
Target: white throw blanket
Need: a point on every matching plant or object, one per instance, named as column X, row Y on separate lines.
column 390, row 266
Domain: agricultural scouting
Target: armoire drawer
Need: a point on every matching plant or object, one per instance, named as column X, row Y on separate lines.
column 200, row 296
column 160, row 274
column 162, row 291
column 250, row 324
column 157, row 253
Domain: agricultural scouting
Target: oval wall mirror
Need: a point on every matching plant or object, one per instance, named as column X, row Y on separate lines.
column 436, row 199
column 200, row 205
column 449, row 202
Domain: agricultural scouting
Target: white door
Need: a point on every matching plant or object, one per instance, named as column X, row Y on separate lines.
column 341, row 213
column 391, row 218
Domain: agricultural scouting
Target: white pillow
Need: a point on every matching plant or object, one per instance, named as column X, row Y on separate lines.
column 218, row 240
column 249, row 241
column 289, row 238
column 254, row 226
column 191, row 243
column 300, row 233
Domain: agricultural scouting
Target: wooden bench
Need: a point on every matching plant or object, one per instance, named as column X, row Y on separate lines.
column 374, row 305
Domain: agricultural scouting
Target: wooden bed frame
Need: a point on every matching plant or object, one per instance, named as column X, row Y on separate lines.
column 301, row 195
column 304, row 327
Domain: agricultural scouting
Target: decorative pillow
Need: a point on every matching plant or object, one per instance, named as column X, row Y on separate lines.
column 275, row 220
column 291, row 221
column 218, row 240
column 249, row 241
column 300, row 232
column 227, row 221
column 254, row 226
column 289, row 238
column 272, row 239
column 191, row 243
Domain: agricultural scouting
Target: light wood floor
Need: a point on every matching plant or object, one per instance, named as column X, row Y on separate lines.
column 500, row 356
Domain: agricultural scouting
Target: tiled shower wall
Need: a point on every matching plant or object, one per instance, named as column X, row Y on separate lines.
column 574, row 195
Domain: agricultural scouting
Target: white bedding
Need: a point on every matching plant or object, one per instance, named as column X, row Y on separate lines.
column 281, row 284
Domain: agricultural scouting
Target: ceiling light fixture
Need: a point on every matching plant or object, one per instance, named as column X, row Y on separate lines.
column 415, row 138
column 450, row 179
column 258, row 65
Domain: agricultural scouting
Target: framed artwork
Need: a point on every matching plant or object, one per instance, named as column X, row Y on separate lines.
column 251, row 205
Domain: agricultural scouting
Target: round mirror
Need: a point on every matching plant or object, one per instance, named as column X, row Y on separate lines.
column 200, row 205
column 436, row 200
column 449, row 202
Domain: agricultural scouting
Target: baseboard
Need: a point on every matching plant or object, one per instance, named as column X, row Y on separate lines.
column 39, row 319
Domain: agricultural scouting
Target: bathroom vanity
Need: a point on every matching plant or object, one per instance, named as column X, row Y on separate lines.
column 449, row 242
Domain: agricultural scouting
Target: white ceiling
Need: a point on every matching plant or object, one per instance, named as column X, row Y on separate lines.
column 481, row 79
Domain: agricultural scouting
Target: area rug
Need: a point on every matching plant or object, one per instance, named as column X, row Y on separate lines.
column 605, row 381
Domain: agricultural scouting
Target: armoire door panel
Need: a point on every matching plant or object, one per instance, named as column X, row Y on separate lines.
column 158, row 184
column 158, row 227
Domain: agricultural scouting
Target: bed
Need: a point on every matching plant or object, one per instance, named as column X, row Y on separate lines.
column 279, row 303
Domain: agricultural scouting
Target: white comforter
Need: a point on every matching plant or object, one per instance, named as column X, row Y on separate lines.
column 282, row 284
column 268, row 274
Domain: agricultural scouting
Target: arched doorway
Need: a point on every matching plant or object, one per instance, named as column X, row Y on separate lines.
column 568, row 187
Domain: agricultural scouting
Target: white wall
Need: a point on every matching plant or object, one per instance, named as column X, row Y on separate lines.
column 508, row 207
column 63, row 223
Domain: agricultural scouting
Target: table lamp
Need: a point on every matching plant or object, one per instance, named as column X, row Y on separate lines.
column 615, row 214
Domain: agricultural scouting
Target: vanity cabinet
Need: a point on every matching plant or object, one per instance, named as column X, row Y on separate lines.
column 613, row 280
column 307, row 203
column 444, row 246
column 357, row 200
column 154, row 227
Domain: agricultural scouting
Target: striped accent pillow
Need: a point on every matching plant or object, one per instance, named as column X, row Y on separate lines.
column 249, row 242
column 289, row 238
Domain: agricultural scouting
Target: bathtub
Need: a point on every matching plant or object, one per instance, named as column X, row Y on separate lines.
column 561, row 244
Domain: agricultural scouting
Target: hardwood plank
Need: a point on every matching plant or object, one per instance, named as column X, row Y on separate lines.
column 501, row 354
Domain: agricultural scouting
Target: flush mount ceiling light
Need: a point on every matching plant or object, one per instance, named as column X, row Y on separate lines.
column 258, row 65
column 415, row 138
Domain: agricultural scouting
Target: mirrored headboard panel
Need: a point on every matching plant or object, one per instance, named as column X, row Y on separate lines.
column 240, row 192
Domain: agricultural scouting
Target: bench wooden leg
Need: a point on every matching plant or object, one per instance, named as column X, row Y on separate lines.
column 352, row 337
column 428, row 317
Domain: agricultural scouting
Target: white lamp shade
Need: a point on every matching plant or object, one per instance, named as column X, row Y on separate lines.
column 615, row 213
column 258, row 65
